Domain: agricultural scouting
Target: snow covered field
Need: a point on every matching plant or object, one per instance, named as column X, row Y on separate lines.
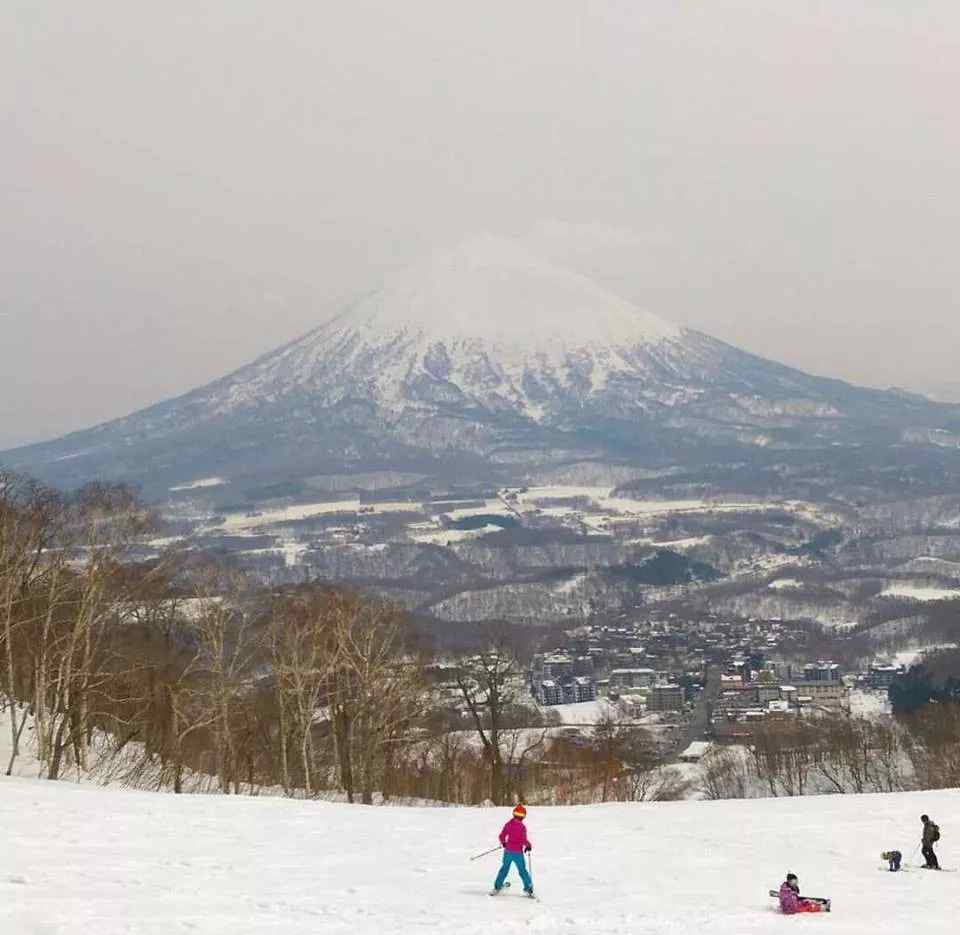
column 201, row 484
column 85, row 861
column 920, row 593
column 914, row 654
column 869, row 703
column 235, row 523
column 785, row 584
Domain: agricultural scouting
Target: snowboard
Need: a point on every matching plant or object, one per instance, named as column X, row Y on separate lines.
column 814, row 899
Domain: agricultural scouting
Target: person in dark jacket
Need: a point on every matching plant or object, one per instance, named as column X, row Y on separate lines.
column 931, row 834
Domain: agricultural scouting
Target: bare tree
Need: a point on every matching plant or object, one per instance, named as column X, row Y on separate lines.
column 375, row 691
column 29, row 516
column 784, row 753
column 486, row 682
column 934, row 745
column 227, row 652
column 610, row 738
column 303, row 656
column 724, row 774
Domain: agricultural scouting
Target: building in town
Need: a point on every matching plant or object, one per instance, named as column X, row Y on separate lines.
column 665, row 697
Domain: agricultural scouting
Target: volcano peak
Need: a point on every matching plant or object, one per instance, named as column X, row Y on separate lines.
column 494, row 289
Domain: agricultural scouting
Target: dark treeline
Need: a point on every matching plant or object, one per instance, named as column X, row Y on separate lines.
column 936, row 680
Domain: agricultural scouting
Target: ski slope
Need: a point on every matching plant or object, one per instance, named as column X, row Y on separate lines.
column 88, row 861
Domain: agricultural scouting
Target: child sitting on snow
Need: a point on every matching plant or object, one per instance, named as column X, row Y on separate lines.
column 790, row 899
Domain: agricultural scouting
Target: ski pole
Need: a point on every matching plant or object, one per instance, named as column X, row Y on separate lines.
column 484, row 854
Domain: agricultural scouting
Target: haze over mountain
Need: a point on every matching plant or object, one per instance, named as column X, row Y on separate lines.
column 485, row 362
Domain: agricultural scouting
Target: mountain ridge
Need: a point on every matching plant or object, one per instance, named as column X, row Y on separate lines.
column 473, row 353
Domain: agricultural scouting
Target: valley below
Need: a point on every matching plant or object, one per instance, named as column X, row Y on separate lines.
column 870, row 577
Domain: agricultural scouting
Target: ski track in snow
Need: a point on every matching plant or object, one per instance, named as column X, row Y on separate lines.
column 87, row 861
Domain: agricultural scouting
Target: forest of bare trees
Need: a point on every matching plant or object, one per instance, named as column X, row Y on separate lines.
column 839, row 754
column 174, row 673
column 175, row 669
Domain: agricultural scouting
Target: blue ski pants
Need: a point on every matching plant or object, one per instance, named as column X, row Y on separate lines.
column 513, row 857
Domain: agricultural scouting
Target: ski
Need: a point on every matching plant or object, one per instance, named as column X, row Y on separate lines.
column 506, row 885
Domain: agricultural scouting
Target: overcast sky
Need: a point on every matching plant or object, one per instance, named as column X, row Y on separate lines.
column 186, row 185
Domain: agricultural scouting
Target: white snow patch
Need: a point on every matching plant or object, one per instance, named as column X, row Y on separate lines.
column 785, row 584
column 164, row 542
column 200, row 484
column 238, row 522
column 292, row 552
column 584, row 712
column 917, row 593
column 193, row 607
column 602, row 500
column 77, row 454
column 868, row 704
column 430, row 534
column 909, row 657
column 687, row 543
column 570, row 585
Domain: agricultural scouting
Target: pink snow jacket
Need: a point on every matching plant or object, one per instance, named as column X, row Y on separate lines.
column 789, row 900
column 514, row 836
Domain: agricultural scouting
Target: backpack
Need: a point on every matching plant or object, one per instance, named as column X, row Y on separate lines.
column 934, row 831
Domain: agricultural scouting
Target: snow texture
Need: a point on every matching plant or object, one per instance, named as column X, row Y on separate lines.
column 88, row 861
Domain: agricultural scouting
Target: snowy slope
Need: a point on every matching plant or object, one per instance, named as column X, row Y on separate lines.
column 92, row 862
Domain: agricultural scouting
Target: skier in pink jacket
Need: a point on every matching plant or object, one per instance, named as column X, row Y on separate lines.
column 791, row 901
column 515, row 843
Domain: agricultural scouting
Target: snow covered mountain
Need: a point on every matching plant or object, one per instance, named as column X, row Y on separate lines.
column 484, row 361
column 85, row 861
